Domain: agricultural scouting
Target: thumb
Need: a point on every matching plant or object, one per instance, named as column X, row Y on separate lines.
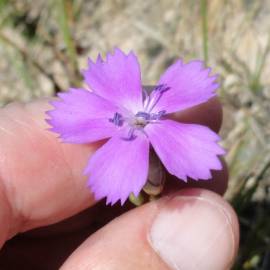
column 194, row 229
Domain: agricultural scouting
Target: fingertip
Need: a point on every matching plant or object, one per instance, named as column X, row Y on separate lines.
column 218, row 183
column 196, row 229
column 207, row 114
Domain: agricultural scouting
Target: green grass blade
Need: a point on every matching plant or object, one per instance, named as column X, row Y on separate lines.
column 204, row 18
column 64, row 8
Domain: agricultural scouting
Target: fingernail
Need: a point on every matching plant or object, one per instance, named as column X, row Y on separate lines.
column 191, row 233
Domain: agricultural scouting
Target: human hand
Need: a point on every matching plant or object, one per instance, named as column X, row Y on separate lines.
column 41, row 184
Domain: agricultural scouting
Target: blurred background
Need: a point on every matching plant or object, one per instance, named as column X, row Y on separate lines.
column 44, row 44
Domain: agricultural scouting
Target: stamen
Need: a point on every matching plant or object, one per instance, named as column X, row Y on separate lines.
column 117, row 119
column 157, row 116
column 155, row 96
column 146, row 99
column 130, row 136
column 145, row 115
column 161, row 88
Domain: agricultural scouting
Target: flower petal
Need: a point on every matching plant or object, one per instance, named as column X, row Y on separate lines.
column 82, row 117
column 118, row 168
column 189, row 85
column 186, row 150
column 117, row 79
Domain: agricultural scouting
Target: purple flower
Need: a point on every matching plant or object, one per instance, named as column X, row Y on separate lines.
column 117, row 107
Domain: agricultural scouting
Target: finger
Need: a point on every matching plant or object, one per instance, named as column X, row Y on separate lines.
column 194, row 229
column 218, row 183
column 207, row 114
column 48, row 247
column 41, row 179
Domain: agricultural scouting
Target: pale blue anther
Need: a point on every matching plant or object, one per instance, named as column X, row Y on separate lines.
column 144, row 115
column 161, row 88
column 117, row 119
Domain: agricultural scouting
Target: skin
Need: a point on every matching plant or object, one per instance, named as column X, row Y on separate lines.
column 46, row 212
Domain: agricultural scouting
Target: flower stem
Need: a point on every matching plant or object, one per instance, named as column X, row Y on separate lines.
column 137, row 201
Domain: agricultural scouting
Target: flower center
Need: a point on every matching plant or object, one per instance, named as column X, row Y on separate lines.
column 138, row 121
column 142, row 118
